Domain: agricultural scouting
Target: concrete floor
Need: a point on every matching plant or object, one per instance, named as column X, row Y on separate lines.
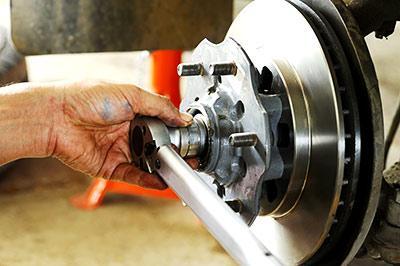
column 38, row 226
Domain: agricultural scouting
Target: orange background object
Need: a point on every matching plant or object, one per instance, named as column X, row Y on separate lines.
column 165, row 81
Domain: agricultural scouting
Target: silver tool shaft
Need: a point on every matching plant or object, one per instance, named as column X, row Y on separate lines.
column 225, row 225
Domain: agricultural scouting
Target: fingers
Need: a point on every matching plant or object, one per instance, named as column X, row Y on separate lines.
column 130, row 174
column 156, row 105
column 150, row 104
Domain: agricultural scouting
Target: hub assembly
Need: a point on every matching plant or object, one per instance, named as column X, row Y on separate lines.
column 283, row 128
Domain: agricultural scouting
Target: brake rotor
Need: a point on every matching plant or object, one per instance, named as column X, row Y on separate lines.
column 293, row 238
column 292, row 32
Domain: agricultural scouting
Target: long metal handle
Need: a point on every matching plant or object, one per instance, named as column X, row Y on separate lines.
column 225, row 225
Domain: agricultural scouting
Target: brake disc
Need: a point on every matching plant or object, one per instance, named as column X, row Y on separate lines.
column 293, row 73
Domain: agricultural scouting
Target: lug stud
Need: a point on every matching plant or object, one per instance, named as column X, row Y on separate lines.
column 185, row 70
column 245, row 139
column 223, row 69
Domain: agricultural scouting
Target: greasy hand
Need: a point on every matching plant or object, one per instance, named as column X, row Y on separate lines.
column 90, row 132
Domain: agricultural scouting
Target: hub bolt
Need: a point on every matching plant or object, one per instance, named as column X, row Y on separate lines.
column 190, row 70
column 245, row 139
column 223, row 69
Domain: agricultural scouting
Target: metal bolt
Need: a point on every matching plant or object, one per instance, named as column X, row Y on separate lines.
column 236, row 205
column 149, row 148
column 223, row 69
column 190, row 70
column 245, row 139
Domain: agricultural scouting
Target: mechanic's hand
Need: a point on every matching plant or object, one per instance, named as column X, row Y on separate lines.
column 90, row 132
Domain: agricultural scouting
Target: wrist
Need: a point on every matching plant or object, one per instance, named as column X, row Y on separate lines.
column 27, row 120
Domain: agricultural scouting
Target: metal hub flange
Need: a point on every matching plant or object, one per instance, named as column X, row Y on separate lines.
column 250, row 106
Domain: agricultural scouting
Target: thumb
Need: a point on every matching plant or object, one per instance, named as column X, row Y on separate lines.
column 151, row 104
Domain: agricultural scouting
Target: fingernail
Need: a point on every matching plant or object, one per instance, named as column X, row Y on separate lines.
column 187, row 117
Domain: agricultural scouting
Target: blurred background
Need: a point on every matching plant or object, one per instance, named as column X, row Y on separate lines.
column 39, row 226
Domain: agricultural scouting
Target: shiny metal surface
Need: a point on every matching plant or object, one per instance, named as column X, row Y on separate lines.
column 223, row 69
column 226, row 226
column 191, row 141
column 245, row 139
column 147, row 134
column 301, row 121
column 364, row 74
column 185, row 70
column 233, row 105
column 152, row 151
column 288, row 37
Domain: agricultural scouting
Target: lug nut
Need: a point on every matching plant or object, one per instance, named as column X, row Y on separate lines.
column 245, row 139
column 223, row 69
column 190, row 70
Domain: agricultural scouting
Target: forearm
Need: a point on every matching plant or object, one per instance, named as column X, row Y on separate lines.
column 26, row 121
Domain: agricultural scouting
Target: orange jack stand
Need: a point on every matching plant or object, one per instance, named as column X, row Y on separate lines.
column 165, row 81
